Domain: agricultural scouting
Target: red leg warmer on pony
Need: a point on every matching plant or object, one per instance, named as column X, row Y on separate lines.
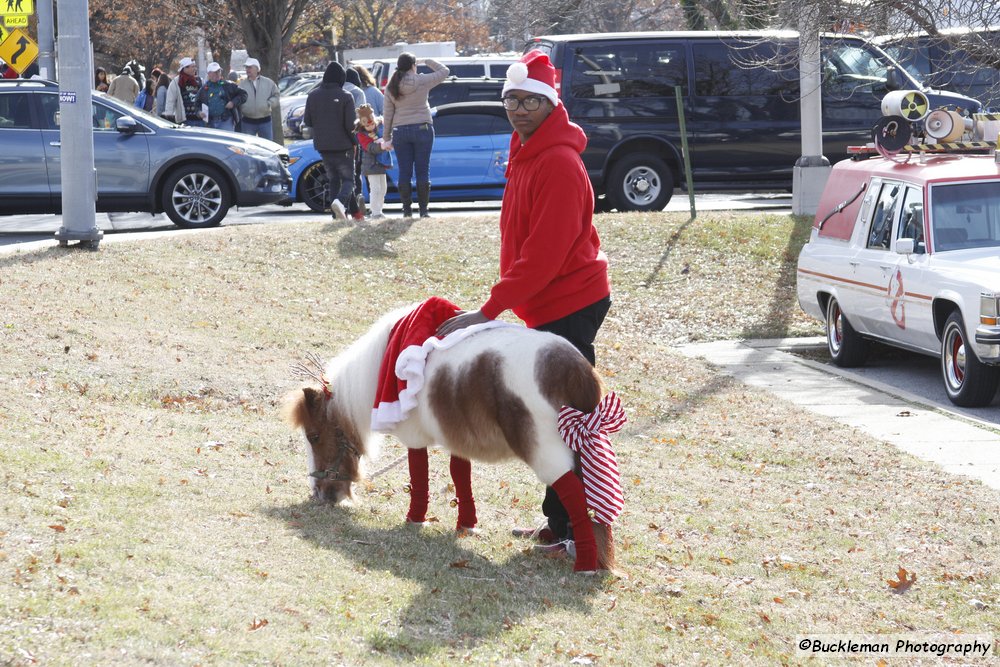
column 461, row 475
column 419, row 494
column 570, row 490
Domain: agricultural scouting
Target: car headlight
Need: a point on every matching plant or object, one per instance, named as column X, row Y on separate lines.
column 989, row 309
column 292, row 159
column 251, row 151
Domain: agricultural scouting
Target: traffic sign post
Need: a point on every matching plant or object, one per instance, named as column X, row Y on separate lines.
column 18, row 50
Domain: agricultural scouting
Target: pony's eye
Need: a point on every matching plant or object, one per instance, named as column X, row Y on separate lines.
column 313, row 438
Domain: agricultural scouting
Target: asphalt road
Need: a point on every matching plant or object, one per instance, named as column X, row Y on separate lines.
column 21, row 229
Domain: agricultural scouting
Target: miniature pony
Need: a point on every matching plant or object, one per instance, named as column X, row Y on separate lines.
column 492, row 396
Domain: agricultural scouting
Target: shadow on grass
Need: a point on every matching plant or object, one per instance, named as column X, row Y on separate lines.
column 783, row 303
column 463, row 598
column 370, row 240
column 18, row 258
column 654, row 275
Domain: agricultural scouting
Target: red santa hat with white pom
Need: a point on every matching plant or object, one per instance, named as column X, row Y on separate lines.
column 535, row 74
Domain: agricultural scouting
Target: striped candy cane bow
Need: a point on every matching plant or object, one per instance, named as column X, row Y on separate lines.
column 587, row 434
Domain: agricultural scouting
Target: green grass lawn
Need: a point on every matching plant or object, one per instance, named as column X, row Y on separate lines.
column 154, row 509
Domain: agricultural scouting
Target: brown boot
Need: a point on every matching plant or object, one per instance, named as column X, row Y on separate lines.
column 406, row 197
column 423, row 197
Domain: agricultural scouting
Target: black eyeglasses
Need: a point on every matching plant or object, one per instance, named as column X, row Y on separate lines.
column 530, row 103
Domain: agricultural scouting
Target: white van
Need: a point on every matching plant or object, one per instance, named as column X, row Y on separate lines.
column 492, row 66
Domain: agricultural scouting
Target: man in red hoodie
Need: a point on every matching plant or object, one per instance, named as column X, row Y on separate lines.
column 553, row 273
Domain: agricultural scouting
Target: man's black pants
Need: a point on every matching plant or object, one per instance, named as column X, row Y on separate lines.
column 580, row 329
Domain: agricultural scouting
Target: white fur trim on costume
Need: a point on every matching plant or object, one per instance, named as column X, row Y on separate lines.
column 410, row 367
column 532, row 86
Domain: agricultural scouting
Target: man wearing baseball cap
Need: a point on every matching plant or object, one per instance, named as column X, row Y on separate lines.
column 262, row 99
column 220, row 100
column 553, row 273
column 182, row 94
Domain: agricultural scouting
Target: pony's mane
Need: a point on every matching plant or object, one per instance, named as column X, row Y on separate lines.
column 353, row 375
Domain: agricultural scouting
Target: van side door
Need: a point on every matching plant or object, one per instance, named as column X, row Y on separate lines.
column 744, row 117
column 622, row 91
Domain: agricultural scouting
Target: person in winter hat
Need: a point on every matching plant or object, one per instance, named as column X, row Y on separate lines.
column 330, row 114
column 124, row 86
column 553, row 273
column 375, row 156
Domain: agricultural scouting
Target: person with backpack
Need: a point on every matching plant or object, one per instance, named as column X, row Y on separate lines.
column 146, row 100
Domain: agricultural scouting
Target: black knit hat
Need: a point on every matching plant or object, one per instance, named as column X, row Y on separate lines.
column 334, row 73
column 353, row 77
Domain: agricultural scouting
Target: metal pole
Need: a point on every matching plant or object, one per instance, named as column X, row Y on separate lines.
column 76, row 130
column 46, row 40
column 812, row 169
column 684, row 149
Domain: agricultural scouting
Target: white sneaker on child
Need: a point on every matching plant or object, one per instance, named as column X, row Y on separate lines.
column 339, row 213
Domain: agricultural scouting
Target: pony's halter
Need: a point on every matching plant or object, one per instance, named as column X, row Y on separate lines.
column 333, row 472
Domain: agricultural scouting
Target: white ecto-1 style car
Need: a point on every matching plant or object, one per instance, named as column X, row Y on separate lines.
column 908, row 253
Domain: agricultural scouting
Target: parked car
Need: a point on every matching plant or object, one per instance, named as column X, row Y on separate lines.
column 449, row 91
column 143, row 162
column 471, row 146
column 488, row 66
column 948, row 61
column 740, row 95
column 906, row 253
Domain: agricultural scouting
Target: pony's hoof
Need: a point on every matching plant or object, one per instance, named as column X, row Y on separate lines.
column 465, row 531
column 587, row 573
column 418, row 524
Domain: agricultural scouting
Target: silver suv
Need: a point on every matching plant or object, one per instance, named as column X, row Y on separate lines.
column 143, row 162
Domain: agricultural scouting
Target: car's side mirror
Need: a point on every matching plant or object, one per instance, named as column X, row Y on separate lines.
column 127, row 125
column 307, row 132
column 905, row 246
column 893, row 79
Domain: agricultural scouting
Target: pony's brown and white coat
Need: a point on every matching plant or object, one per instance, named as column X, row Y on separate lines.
column 493, row 396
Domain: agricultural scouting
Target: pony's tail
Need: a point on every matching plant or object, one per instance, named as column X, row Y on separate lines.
column 605, row 547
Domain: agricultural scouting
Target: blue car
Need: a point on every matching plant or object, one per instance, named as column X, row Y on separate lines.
column 471, row 146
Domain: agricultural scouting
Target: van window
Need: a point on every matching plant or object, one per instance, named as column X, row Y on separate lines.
column 743, row 70
column 850, row 68
column 628, row 71
column 499, row 71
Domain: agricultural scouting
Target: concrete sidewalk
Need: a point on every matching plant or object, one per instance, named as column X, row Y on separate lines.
column 956, row 443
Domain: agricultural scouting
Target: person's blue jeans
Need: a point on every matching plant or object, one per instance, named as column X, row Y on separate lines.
column 222, row 124
column 258, row 127
column 340, row 172
column 413, row 144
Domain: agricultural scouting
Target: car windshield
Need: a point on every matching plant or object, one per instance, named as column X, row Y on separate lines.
column 965, row 215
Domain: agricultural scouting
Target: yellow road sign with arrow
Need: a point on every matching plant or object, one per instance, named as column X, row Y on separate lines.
column 18, row 50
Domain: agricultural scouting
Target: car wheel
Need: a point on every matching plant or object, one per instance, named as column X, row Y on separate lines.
column 196, row 196
column 847, row 347
column 969, row 382
column 640, row 182
column 314, row 188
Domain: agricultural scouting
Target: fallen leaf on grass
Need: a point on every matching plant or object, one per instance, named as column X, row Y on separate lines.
column 764, row 617
column 257, row 624
column 460, row 563
column 58, row 528
column 901, row 583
